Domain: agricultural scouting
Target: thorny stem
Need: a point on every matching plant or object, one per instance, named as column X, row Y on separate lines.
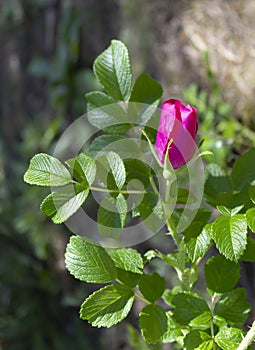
column 181, row 254
column 172, row 231
column 248, row 339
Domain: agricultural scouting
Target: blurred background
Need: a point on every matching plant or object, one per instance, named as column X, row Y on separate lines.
column 200, row 51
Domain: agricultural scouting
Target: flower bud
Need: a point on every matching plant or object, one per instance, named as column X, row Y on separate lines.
column 179, row 123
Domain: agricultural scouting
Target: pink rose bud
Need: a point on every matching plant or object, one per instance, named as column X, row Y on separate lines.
column 179, row 123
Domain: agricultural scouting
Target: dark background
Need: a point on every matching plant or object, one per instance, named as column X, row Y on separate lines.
column 198, row 50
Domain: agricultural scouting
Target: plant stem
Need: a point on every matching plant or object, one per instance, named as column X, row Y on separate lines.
column 172, row 231
column 212, row 325
column 141, row 298
column 181, row 247
column 106, row 190
column 248, row 339
column 138, row 295
column 154, row 187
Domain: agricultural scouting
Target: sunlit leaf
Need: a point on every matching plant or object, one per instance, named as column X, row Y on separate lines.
column 112, row 69
column 107, row 306
column 45, row 170
column 89, row 262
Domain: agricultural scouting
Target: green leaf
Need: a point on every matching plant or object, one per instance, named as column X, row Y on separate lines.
column 216, row 182
column 125, row 147
column 251, row 192
column 196, row 226
column 127, row 259
column 137, row 170
column 230, row 235
column 103, row 143
column 153, row 323
column 96, row 99
column 89, row 262
column 107, row 306
column 232, row 202
column 45, row 170
column 147, row 92
column 150, row 130
column 104, row 113
column 229, row 338
column 152, row 286
column 221, row 274
column 233, row 306
column 173, row 330
column 135, row 341
column 61, row 205
column 229, row 211
column 250, row 216
column 151, row 212
column 111, row 216
column 170, row 259
column 112, row 69
column 149, row 255
column 190, row 276
column 188, row 306
column 184, row 195
column 202, row 321
column 249, row 253
column 198, row 340
column 243, row 171
column 84, row 168
column 197, row 247
column 128, row 278
column 170, row 293
column 113, row 166
column 121, row 206
column 219, row 321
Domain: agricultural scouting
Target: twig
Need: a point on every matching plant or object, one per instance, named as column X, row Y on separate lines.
column 248, row 339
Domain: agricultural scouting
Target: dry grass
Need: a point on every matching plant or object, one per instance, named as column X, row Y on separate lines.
column 225, row 28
